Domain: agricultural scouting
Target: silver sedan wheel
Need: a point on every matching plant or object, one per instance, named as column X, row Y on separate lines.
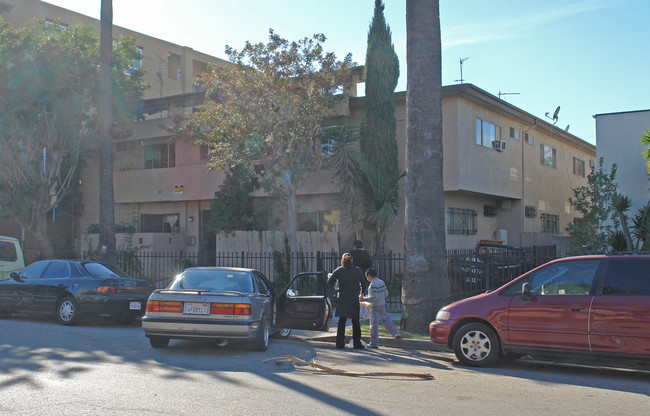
column 67, row 311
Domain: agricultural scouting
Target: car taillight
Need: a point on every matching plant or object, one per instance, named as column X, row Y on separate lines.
column 221, row 309
column 242, row 309
column 230, row 309
column 164, row 306
column 107, row 289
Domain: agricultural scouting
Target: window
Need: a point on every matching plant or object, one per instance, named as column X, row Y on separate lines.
column 138, row 63
column 550, row 223
column 160, row 155
column 57, row 270
column 566, row 278
column 578, row 223
column 327, row 146
column 489, row 211
column 461, row 221
column 8, row 251
column 203, row 152
column 173, row 66
column 514, row 133
column 34, row 270
column 627, row 276
column 125, row 146
column 529, row 138
column 485, row 133
column 158, row 223
column 51, row 24
column 547, row 155
column 578, row 167
column 326, row 221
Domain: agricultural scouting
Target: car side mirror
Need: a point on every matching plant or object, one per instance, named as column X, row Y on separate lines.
column 15, row 276
column 525, row 291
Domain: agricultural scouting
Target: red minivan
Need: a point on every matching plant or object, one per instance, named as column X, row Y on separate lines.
column 587, row 306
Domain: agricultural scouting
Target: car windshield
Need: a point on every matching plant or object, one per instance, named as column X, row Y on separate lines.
column 217, row 280
column 101, row 269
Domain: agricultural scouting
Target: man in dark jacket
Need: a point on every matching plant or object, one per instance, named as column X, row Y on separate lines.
column 360, row 256
column 351, row 284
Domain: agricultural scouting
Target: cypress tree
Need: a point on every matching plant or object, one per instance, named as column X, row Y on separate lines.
column 378, row 139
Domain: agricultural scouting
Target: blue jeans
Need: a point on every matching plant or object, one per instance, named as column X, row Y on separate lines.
column 377, row 313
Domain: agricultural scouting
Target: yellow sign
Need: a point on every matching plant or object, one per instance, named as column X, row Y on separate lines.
column 178, row 189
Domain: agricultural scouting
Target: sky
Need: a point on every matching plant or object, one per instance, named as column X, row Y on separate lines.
column 586, row 56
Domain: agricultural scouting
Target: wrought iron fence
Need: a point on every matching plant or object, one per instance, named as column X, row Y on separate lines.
column 469, row 272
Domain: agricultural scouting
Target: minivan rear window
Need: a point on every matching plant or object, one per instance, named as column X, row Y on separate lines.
column 8, row 251
column 627, row 276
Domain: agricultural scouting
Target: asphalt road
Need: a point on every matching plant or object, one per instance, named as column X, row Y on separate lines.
column 104, row 369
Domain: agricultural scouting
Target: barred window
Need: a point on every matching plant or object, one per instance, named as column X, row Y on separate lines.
column 461, row 221
column 550, row 223
column 548, row 155
column 578, row 167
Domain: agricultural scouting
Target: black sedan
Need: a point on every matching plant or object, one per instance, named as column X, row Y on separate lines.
column 74, row 288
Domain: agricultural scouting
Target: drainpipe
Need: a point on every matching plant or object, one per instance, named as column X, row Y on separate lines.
column 523, row 181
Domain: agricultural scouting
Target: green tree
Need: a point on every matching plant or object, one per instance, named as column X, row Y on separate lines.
column 378, row 140
column 645, row 142
column 268, row 107
column 48, row 97
column 234, row 207
column 621, row 205
column 425, row 287
column 599, row 218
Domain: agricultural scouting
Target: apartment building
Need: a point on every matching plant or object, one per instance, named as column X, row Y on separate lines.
column 617, row 138
column 508, row 175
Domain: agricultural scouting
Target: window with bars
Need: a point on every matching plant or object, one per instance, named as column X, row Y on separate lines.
column 461, row 221
column 550, row 223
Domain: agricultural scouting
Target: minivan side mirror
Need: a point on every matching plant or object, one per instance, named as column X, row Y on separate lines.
column 525, row 291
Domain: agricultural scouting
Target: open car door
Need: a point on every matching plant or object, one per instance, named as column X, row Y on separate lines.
column 304, row 303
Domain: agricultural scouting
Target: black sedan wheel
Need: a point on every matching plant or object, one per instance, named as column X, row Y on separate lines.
column 262, row 336
column 67, row 311
column 476, row 345
column 159, row 342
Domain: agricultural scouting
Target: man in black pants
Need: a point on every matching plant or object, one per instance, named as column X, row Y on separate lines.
column 351, row 283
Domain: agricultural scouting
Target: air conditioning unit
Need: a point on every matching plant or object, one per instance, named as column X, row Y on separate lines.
column 530, row 211
column 499, row 145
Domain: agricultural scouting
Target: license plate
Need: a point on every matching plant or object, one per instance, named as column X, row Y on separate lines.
column 191, row 308
column 135, row 306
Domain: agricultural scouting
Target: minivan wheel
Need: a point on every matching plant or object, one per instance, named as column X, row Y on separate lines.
column 475, row 344
column 67, row 311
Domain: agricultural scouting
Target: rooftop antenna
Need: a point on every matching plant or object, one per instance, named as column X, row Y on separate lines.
column 554, row 118
column 461, row 60
column 507, row 93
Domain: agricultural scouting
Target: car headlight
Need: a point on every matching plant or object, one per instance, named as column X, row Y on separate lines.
column 442, row 315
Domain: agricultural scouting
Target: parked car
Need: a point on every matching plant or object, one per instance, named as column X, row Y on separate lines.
column 489, row 266
column 11, row 257
column 588, row 306
column 71, row 289
column 223, row 303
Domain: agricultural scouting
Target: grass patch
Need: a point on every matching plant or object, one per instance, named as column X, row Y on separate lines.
column 365, row 330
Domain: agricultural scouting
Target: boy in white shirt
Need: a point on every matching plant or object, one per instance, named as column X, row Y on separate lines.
column 377, row 293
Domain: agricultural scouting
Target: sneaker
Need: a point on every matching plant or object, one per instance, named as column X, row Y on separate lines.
column 398, row 336
column 373, row 346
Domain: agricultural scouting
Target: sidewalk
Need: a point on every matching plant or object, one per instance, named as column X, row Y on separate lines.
column 330, row 337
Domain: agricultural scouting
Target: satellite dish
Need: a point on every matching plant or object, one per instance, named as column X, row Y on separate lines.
column 567, row 128
column 557, row 111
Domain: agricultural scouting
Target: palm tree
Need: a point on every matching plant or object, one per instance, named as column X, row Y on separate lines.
column 425, row 286
column 105, row 123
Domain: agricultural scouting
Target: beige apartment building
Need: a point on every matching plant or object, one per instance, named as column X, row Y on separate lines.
column 508, row 175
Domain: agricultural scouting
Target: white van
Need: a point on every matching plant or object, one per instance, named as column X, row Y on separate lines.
column 11, row 257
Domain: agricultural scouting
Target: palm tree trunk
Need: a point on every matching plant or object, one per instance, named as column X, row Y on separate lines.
column 425, row 285
column 105, row 123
